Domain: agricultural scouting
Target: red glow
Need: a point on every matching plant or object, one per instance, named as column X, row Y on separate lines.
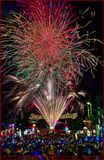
column 51, row 32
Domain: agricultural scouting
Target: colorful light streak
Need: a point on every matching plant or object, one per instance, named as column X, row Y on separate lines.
column 49, row 40
column 50, row 105
column 41, row 42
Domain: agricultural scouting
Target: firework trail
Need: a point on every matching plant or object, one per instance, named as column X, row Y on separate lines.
column 44, row 40
column 20, row 94
column 50, row 102
column 50, row 105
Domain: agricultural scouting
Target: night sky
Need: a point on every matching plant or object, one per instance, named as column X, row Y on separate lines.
column 93, row 86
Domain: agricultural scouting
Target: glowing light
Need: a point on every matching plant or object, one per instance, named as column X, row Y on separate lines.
column 34, row 125
column 88, row 103
column 51, row 109
column 25, row 132
column 66, row 129
column 44, row 41
column 50, row 90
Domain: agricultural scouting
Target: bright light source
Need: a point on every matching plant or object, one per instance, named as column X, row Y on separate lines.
column 85, row 127
column 88, row 103
column 88, row 133
column 94, row 131
column 51, row 127
column 66, row 129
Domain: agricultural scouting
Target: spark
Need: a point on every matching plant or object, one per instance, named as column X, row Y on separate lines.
column 43, row 37
column 76, row 98
column 51, row 108
column 85, row 10
column 44, row 41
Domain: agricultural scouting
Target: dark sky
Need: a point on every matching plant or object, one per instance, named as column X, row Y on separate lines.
column 92, row 86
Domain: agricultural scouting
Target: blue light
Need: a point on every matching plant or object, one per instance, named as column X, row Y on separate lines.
column 98, row 139
column 66, row 129
column 36, row 153
column 86, row 139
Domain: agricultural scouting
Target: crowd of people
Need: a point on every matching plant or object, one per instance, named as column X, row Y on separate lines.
column 45, row 145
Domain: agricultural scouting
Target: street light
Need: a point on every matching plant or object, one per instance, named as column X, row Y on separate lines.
column 89, row 106
column 89, row 109
column 88, row 103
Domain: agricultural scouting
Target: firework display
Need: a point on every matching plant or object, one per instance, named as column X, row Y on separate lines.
column 41, row 44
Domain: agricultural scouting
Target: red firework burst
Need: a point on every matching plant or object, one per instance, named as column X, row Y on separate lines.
column 53, row 32
column 45, row 40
